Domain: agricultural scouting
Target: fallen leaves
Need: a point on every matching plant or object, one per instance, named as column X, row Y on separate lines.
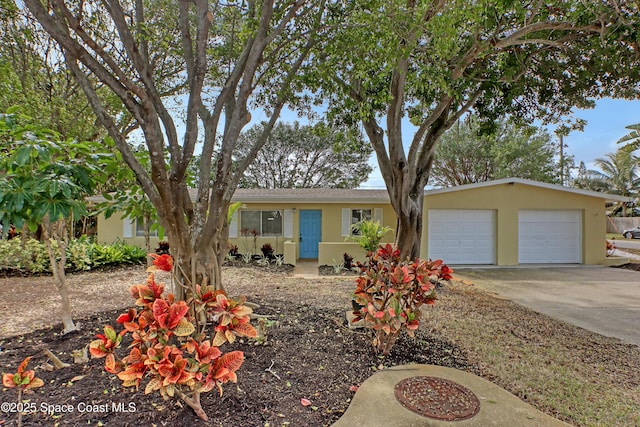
column 305, row 402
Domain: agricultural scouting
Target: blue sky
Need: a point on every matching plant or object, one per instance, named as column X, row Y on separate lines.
column 605, row 125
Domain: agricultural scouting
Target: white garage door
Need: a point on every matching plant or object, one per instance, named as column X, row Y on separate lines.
column 462, row 236
column 550, row 237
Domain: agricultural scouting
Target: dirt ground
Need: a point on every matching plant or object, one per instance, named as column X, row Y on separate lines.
column 310, row 353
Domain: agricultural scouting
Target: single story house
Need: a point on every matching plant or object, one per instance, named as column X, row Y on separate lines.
column 505, row 222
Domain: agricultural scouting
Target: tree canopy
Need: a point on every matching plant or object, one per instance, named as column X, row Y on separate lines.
column 298, row 156
column 465, row 155
column 33, row 77
column 430, row 62
column 44, row 180
column 617, row 173
column 632, row 139
column 223, row 58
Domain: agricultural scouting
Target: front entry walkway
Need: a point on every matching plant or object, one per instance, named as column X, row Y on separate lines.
column 306, row 269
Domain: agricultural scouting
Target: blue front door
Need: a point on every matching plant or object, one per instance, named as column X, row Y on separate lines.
column 310, row 232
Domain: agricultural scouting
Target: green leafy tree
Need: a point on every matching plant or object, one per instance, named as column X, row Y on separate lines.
column 465, row 155
column 44, row 181
column 589, row 179
column 306, row 157
column 224, row 57
column 619, row 174
column 33, row 77
column 428, row 63
column 632, row 139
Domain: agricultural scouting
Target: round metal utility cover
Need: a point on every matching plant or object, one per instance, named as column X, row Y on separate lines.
column 437, row 398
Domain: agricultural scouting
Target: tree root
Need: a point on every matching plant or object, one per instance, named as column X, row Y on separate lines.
column 59, row 364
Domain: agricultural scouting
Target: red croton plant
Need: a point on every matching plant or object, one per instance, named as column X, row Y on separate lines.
column 390, row 292
column 170, row 347
column 23, row 380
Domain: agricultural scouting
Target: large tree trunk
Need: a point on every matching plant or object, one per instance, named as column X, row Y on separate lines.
column 409, row 227
column 57, row 231
column 198, row 259
column 269, row 57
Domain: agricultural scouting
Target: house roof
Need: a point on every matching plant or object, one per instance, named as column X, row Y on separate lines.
column 340, row 195
column 606, row 196
column 310, row 195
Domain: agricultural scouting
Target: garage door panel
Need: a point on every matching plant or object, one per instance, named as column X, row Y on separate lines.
column 462, row 236
column 550, row 236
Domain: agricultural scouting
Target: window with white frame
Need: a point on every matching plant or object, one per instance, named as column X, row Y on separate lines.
column 140, row 229
column 267, row 222
column 358, row 215
column 352, row 216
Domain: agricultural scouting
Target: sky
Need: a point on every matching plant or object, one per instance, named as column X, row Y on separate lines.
column 605, row 125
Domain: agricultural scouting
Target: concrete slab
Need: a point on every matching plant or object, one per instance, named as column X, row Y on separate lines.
column 601, row 299
column 306, row 269
column 375, row 404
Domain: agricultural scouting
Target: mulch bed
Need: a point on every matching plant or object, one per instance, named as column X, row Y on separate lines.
column 310, row 351
column 630, row 266
column 328, row 270
column 272, row 267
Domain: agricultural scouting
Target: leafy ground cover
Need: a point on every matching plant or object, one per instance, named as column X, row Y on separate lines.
column 577, row 376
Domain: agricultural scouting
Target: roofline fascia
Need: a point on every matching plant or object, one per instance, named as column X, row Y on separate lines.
column 606, row 196
column 309, row 201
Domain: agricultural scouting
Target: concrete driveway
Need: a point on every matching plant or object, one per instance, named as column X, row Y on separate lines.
column 602, row 299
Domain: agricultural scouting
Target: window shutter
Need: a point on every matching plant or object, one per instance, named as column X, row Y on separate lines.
column 288, row 224
column 127, row 228
column 377, row 215
column 346, row 222
column 233, row 226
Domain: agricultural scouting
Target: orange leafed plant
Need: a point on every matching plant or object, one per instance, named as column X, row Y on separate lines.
column 22, row 379
column 162, row 262
column 390, row 292
column 167, row 349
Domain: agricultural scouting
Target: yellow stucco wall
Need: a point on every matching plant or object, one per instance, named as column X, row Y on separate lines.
column 111, row 230
column 508, row 199
column 331, row 225
column 505, row 199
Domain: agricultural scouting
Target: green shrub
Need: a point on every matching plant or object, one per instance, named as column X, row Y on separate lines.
column 30, row 256
column 79, row 254
column 117, row 253
column 82, row 254
column 368, row 234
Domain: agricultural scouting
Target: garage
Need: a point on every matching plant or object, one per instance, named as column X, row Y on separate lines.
column 460, row 236
column 549, row 236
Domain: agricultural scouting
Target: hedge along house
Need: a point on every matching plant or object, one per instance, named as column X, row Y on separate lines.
column 504, row 222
